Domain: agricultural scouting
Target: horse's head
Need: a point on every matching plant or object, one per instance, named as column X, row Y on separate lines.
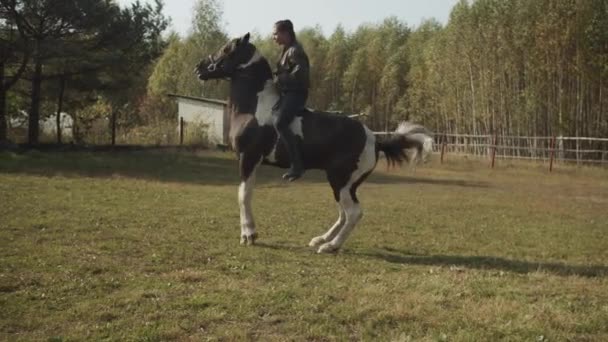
column 227, row 60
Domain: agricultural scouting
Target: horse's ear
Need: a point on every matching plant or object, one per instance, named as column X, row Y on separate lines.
column 245, row 38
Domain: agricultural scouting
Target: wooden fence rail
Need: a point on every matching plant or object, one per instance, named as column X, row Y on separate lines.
column 579, row 150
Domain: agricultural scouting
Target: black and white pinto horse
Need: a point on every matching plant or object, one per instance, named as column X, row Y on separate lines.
column 343, row 147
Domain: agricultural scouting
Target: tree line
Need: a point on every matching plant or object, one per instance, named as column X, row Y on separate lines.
column 509, row 67
column 71, row 55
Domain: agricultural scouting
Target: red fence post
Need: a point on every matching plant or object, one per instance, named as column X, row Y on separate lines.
column 552, row 154
column 494, row 150
column 181, row 130
column 443, row 146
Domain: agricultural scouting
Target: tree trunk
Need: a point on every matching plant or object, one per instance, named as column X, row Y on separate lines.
column 474, row 115
column 3, row 132
column 34, row 115
column 113, row 126
column 352, row 99
column 5, row 84
column 600, row 111
column 60, row 108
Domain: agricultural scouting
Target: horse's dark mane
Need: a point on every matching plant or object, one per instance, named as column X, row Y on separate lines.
column 247, row 83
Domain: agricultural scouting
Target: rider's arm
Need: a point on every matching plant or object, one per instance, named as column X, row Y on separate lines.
column 298, row 76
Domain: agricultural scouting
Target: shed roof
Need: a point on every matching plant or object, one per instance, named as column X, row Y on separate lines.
column 200, row 99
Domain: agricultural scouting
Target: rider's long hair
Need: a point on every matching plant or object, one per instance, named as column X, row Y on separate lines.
column 286, row 26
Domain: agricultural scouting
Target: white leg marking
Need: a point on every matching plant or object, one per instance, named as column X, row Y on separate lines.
column 248, row 233
column 353, row 213
column 332, row 232
column 427, row 149
column 413, row 159
column 352, row 210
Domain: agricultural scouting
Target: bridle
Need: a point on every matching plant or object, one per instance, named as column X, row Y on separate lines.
column 213, row 65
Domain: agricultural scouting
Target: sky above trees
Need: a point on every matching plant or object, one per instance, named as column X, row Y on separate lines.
column 240, row 16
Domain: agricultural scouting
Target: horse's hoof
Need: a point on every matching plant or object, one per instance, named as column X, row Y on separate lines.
column 318, row 241
column 249, row 240
column 328, row 248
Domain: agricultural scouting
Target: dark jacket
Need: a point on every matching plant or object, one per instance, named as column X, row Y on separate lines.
column 293, row 69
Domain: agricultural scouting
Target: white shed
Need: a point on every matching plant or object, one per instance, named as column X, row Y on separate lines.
column 210, row 112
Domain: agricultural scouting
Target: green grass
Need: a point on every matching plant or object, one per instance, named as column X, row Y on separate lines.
column 144, row 246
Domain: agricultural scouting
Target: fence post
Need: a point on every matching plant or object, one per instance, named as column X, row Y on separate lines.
column 443, row 146
column 494, row 149
column 578, row 154
column 552, row 154
column 181, row 130
column 113, row 127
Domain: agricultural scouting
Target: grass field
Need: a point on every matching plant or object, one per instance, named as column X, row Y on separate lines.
column 144, row 246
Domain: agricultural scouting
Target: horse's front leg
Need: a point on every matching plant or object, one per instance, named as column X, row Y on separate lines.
column 247, row 165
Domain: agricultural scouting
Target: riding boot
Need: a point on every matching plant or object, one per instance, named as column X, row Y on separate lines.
column 296, row 170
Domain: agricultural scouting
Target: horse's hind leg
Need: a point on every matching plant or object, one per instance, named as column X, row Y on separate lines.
column 333, row 231
column 352, row 213
column 338, row 180
column 413, row 158
column 345, row 180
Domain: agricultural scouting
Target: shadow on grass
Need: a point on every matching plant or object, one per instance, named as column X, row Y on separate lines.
column 150, row 164
column 487, row 263
column 167, row 165
column 285, row 247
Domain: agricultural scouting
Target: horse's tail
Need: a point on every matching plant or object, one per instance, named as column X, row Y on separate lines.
column 410, row 141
